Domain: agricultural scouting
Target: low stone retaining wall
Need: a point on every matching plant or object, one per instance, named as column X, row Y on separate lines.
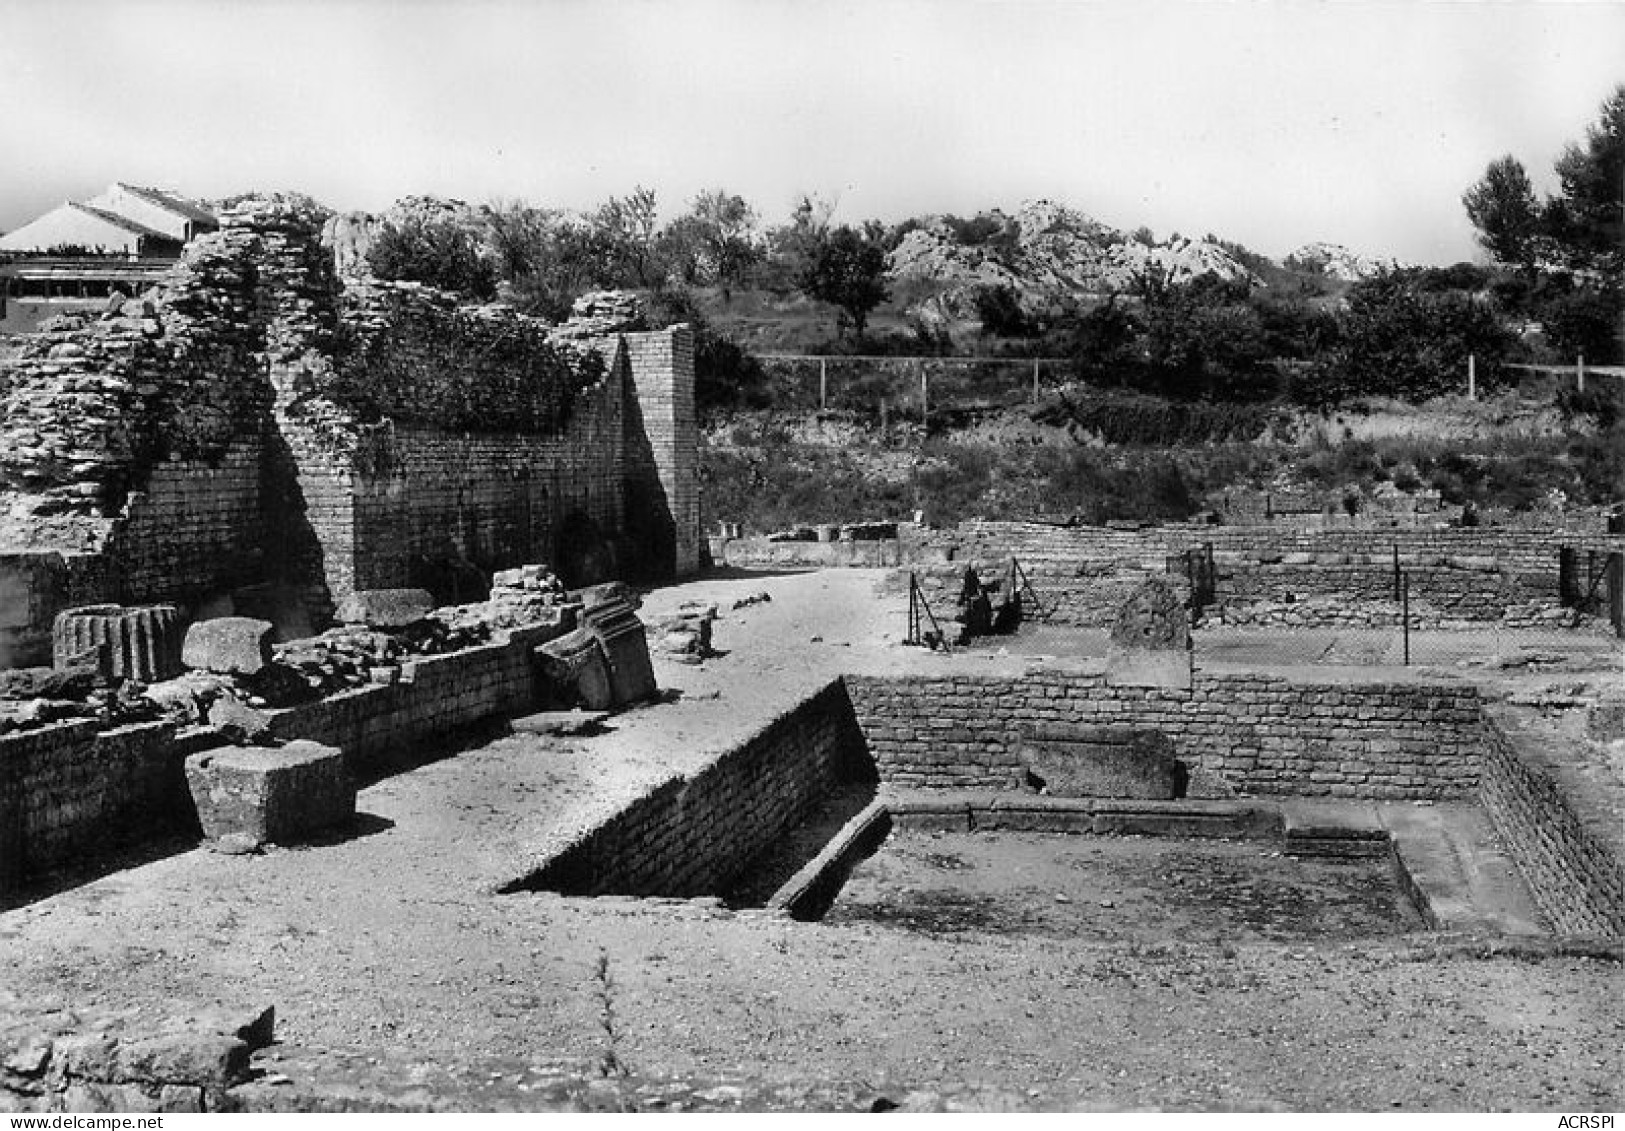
column 1458, row 576
column 966, row 811
column 1561, row 821
column 436, row 695
column 694, row 835
column 71, row 791
column 843, row 553
column 1260, row 734
column 1356, row 612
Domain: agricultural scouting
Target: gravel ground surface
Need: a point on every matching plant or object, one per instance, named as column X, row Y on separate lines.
column 391, row 944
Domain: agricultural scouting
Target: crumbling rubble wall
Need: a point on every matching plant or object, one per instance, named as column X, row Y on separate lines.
column 89, row 1059
column 129, row 445
column 250, row 420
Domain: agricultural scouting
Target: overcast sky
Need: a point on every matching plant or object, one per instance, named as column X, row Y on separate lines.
column 1269, row 123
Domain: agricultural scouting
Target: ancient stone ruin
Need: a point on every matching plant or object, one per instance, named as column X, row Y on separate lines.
column 284, row 533
column 256, row 434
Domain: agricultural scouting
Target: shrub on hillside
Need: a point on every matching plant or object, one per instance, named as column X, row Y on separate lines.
column 1089, row 486
column 1104, row 341
column 1401, row 337
column 999, row 310
column 436, row 252
column 1137, row 420
column 1584, row 321
column 1204, row 340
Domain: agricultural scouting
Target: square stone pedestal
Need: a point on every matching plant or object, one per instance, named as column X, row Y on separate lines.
column 270, row 794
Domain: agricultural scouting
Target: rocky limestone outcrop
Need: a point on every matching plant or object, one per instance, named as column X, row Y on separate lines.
column 1055, row 251
column 1337, row 262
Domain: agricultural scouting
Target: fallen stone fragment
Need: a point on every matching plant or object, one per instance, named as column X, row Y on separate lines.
column 559, row 723
column 574, row 665
column 142, row 643
column 626, row 649
column 237, row 720
column 228, row 645
column 386, row 608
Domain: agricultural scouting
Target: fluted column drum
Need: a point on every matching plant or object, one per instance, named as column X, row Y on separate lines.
column 141, row 643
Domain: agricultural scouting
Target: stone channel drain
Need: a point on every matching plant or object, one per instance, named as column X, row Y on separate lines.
column 767, row 918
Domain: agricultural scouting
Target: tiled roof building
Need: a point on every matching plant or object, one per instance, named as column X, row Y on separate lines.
column 76, row 255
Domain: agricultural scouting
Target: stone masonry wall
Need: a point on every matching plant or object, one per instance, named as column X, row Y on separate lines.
column 1457, row 575
column 432, row 435
column 196, row 525
column 382, row 727
column 34, row 584
column 663, row 473
column 249, row 420
column 694, row 835
column 195, row 528
column 495, row 501
column 1262, row 734
column 1560, row 817
column 68, row 793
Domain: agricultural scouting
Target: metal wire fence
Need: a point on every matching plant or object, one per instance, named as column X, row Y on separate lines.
column 909, row 388
column 914, row 387
column 1584, row 632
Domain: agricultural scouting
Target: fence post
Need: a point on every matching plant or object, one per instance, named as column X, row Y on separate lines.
column 1405, row 613
column 1472, row 377
column 1035, row 380
column 1396, row 571
column 823, row 384
column 912, row 636
column 925, row 401
column 1616, row 592
column 1580, row 373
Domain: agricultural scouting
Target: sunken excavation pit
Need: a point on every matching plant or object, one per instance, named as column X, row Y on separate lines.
column 1055, row 804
